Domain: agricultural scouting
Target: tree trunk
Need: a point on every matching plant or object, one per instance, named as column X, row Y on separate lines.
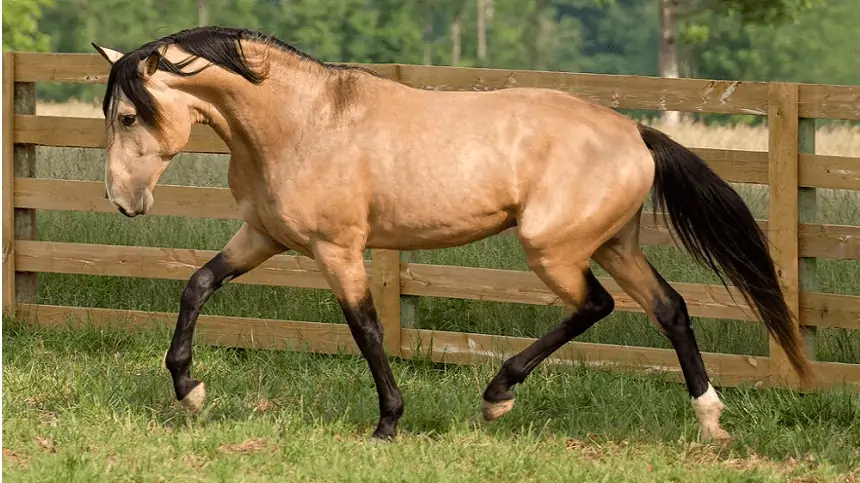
column 428, row 33
column 202, row 13
column 456, row 39
column 668, row 53
column 482, row 30
column 537, row 35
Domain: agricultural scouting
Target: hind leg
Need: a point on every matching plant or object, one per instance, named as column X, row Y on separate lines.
column 623, row 259
column 578, row 287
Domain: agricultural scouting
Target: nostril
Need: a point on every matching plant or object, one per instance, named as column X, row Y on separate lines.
column 106, row 195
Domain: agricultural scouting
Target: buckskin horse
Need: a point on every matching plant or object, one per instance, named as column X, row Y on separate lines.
column 330, row 159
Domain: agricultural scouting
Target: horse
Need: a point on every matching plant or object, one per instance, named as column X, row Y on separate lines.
column 330, row 159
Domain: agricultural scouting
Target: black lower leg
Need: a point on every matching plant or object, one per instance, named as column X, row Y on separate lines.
column 670, row 310
column 598, row 304
column 199, row 288
column 367, row 332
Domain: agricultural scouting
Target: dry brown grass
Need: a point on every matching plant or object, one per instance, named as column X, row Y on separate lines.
column 69, row 109
column 837, row 141
column 831, row 141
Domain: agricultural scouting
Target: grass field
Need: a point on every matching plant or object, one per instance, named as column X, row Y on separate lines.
column 88, row 402
column 96, row 405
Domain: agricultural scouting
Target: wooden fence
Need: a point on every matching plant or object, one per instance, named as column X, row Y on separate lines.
column 791, row 168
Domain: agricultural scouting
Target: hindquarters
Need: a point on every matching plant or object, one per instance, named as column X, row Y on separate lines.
column 592, row 182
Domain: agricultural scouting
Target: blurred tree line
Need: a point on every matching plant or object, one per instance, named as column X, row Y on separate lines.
column 788, row 40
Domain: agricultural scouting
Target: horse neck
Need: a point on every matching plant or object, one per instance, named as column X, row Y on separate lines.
column 256, row 121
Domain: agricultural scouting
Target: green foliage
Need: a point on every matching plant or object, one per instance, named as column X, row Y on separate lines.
column 21, row 25
column 815, row 47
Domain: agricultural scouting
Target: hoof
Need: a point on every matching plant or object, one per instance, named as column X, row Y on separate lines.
column 374, row 439
column 378, row 437
column 193, row 401
column 717, row 434
column 495, row 410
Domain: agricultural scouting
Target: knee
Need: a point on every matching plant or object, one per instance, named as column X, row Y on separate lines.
column 601, row 304
column 598, row 302
column 672, row 314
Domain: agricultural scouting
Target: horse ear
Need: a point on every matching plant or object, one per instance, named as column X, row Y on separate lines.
column 149, row 65
column 110, row 55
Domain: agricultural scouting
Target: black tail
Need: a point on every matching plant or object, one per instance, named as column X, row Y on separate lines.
column 716, row 227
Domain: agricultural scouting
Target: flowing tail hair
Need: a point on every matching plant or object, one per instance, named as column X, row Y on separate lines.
column 716, row 227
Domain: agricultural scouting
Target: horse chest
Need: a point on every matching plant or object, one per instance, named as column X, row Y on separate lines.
column 285, row 226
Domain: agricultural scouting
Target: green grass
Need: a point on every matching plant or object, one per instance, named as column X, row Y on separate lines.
column 92, row 404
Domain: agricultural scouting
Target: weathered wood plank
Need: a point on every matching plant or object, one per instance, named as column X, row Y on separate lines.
column 724, row 369
column 88, row 196
column 8, row 181
column 783, row 217
column 80, row 68
column 61, row 67
column 511, row 286
column 462, row 348
column 615, row 91
column 386, row 296
column 696, row 95
column 88, row 132
column 164, row 263
column 736, row 165
column 250, row 333
column 834, row 172
column 816, row 240
column 829, row 101
column 514, row 286
column 837, row 375
column 829, row 241
column 818, row 309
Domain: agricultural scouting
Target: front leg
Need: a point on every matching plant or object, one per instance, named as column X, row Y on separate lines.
column 344, row 270
column 247, row 249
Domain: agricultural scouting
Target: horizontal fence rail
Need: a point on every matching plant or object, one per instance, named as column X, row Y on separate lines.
column 790, row 168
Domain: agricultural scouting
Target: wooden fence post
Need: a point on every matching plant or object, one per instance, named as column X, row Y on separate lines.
column 808, row 213
column 783, row 217
column 385, row 286
column 25, row 167
column 408, row 303
column 8, row 181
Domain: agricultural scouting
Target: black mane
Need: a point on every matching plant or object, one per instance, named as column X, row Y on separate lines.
column 219, row 45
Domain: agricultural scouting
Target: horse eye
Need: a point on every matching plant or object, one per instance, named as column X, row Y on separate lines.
column 128, row 119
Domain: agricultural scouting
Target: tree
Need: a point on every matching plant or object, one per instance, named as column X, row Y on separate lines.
column 726, row 48
column 21, row 25
column 754, row 12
